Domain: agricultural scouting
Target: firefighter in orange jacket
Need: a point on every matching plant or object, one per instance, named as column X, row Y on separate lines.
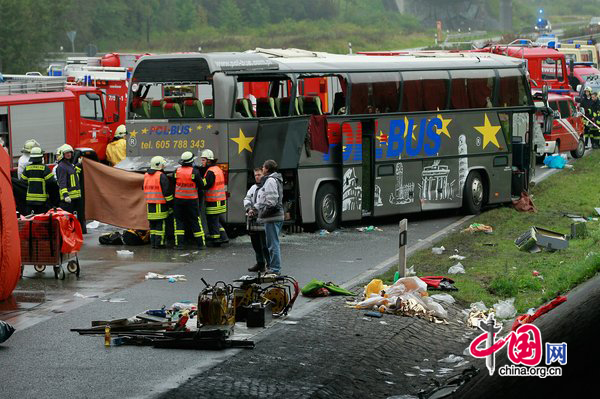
column 187, row 211
column 215, row 199
column 159, row 200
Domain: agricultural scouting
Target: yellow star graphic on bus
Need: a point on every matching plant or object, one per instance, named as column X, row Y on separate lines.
column 406, row 122
column 383, row 138
column 133, row 133
column 199, row 127
column 445, row 123
column 209, row 126
column 243, row 142
column 144, row 131
column 489, row 132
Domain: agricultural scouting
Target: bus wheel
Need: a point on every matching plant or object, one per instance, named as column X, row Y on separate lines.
column 327, row 207
column 473, row 193
column 578, row 153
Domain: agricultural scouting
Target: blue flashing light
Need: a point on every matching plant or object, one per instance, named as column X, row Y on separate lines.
column 552, row 45
column 539, row 20
column 590, row 41
column 523, row 41
column 559, row 91
column 129, row 74
column 541, row 10
column 578, row 46
column 570, row 41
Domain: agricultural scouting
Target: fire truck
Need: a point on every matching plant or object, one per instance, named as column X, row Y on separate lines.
column 49, row 110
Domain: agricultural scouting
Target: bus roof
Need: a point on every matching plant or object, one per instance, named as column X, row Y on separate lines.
column 198, row 66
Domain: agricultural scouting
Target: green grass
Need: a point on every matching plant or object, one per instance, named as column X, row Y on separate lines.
column 500, row 270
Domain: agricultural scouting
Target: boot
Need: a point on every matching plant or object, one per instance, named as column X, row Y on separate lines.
column 200, row 243
column 153, row 241
column 258, row 267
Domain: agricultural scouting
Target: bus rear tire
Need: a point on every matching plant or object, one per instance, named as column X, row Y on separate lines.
column 327, row 207
column 578, row 153
column 473, row 193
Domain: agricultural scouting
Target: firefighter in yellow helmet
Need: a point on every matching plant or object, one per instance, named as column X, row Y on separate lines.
column 39, row 177
column 186, row 207
column 159, row 200
column 116, row 149
column 24, row 159
column 215, row 198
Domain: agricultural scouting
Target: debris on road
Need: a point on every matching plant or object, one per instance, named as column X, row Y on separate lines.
column 316, row 288
column 93, row 224
column 438, row 250
column 451, row 359
column 555, row 161
column 125, row 253
column 6, row 330
column 157, row 276
column 478, row 227
column 368, row 229
column 439, row 283
column 529, row 318
column 536, row 238
column 457, row 257
column 505, row 309
column 444, row 298
column 456, row 269
column 524, row 203
column 115, row 300
column 79, row 295
column 579, row 230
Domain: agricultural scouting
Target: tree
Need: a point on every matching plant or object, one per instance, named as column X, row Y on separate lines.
column 229, row 16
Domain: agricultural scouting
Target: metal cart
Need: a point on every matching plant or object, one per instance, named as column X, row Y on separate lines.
column 41, row 244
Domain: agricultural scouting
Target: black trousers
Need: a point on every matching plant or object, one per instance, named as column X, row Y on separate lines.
column 76, row 205
column 158, row 230
column 216, row 231
column 187, row 214
column 259, row 243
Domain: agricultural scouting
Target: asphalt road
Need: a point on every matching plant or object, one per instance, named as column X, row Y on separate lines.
column 44, row 359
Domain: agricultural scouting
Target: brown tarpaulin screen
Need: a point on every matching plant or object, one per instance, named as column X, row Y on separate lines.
column 114, row 196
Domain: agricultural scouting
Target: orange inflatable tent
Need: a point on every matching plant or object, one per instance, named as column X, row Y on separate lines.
column 10, row 244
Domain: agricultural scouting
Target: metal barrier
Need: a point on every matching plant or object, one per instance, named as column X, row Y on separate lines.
column 26, row 84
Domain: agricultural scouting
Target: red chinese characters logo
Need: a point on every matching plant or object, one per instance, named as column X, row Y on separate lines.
column 524, row 345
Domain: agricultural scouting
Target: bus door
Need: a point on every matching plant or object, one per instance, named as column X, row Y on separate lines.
column 352, row 171
column 368, row 163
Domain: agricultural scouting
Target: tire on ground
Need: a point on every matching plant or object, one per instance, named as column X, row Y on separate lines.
column 328, row 208
column 578, row 153
column 473, row 193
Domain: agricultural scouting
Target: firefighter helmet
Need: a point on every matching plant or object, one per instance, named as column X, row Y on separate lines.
column 158, row 163
column 28, row 145
column 62, row 150
column 36, row 152
column 208, row 154
column 588, row 88
column 120, row 132
column 187, row 158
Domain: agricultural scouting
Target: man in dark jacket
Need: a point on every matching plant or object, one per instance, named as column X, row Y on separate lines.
column 586, row 104
column 159, row 200
column 69, row 187
column 269, row 203
column 595, row 111
column 38, row 177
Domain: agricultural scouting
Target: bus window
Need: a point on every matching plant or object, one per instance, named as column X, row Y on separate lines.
column 512, row 88
column 172, row 100
column 424, row 91
column 264, row 96
column 472, row 89
column 374, row 93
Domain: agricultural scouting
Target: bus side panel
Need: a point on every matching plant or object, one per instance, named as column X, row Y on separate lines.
column 395, row 189
column 237, row 186
column 351, row 171
column 309, row 180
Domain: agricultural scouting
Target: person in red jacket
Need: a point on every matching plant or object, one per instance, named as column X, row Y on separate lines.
column 187, row 182
column 159, row 200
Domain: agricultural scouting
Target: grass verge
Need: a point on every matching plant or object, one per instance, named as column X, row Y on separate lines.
column 496, row 269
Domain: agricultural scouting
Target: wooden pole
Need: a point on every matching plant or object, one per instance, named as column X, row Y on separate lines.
column 402, row 248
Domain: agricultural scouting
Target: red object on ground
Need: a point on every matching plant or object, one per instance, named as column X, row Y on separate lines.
column 526, row 318
column 68, row 225
column 10, row 246
column 434, row 281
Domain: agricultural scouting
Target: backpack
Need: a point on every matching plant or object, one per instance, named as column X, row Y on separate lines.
column 136, row 237
column 113, row 238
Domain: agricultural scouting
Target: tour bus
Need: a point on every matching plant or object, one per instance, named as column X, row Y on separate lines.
column 402, row 134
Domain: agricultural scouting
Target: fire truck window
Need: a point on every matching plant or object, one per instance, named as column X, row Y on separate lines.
column 512, row 89
column 4, row 131
column 572, row 108
column 563, row 107
column 553, row 105
column 425, row 91
column 91, row 109
column 374, row 93
column 472, row 89
column 551, row 69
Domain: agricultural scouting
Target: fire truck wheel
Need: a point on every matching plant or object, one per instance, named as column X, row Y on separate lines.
column 473, row 193
column 72, row 266
column 327, row 207
column 578, row 153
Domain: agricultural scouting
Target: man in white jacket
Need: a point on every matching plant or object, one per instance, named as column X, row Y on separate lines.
column 269, row 203
column 256, row 230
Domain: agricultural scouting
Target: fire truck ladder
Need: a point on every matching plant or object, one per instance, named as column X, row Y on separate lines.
column 26, row 84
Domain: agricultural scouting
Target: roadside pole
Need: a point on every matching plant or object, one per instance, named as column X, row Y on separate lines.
column 402, row 248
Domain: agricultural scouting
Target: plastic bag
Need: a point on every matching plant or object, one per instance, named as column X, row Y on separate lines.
column 479, row 306
column 437, row 309
column 505, row 309
column 374, row 287
column 458, row 268
column 438, row 250
column 373, row 301
column 6, row 330
column 555, row 162
column 444, row 298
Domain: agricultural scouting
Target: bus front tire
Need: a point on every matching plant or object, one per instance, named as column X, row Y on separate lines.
column 327, row 207
column 473, row 193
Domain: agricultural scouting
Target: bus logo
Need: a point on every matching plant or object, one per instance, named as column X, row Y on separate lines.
column 398, row 140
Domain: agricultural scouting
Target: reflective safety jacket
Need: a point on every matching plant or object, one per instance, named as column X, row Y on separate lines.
column 215, row 195
column 185, row 183
column 156, row 189
column 67, row 176
column 116, row 151
column 37, row 175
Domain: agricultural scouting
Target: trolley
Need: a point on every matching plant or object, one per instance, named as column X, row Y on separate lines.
column 41, row 244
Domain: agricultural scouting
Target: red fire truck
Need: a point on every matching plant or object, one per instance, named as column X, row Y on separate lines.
column 53, row 112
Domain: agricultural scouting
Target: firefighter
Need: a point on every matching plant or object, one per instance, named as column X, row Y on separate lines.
column 38, row 177
column 116, row 149
column 215, row 199
column 586, row 104
column 159, row 200
column 24, row 159
column 187, row 182
column 595, row 112
column 69, row 187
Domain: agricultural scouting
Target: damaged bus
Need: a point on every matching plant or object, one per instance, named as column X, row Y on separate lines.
column 355, row 136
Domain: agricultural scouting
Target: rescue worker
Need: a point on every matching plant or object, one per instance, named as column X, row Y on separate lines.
column 38, row 177
column 595, row 112
column 215, row 199
column 24, row 159
column 256, row 230
column 187, row 182
column 586, row 104
column 159, row 200
column 116, row 149
column 67, row 176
